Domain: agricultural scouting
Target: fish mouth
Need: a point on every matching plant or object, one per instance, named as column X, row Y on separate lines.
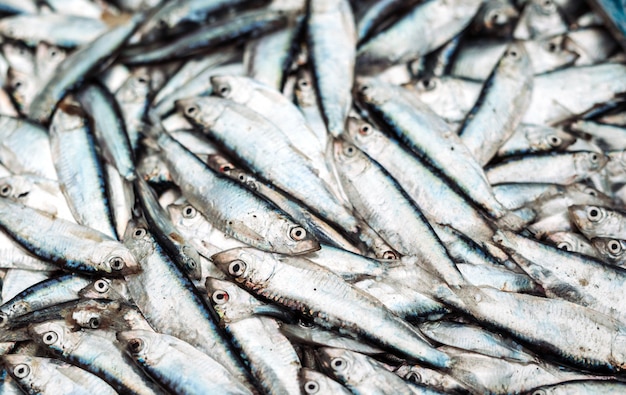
column 305, row 246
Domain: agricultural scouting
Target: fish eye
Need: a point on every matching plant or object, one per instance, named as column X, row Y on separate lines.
column 303, row 83
column 162, row 23
column 539, row 392
column 191, row 264
column 220, row 297
column 593, row 214
column 189, row 212
column 349, row 150
column 390, row 255
column 591, row 192
column 552, row 47
column 116, row 263
column 615, row 247
column 498, row 18
column 429, row 84
column 139, row 233
column 135, row 345
column 94, row 323
column 413, row 377
column 512, row 53
column 4, row 319
column 311, row 387
column 50, row 338
column 594, row 158
column 364, row 88
column 565, row 246
column 365, row 130
column 298, row 233
column 224, row 89
column 339, row 364
column 555, row 141
column 142, row 80
column 5, row 190
column 22, row 370
column 101, row 286
column 191, row 110
column 237, row 268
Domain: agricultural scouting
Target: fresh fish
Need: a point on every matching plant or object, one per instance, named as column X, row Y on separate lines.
column 431, row 378
column 500, row 106
column 43, row 294
column 569, row 241
column 108, row 128
column 361, row 177
column 178, row 366
column 434, row 21
column 564, row 168
column 249, row 220
column 594, row 343
column 535, row 138
column 595, row 221
column 66, row 244
column 331, row 39
column 94, row 353
column 262, row 273
column 496, row 17
column 311, row 222
column 49, row 376
column 80, row 172
column 74, row 68
column 168, row 300
column 180, row 249
column 273, row 360
column 206, row 38
column 498, row 277
column 430, row 138
column 360, row 373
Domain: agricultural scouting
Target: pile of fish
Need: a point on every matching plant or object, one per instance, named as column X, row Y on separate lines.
column 312, row 197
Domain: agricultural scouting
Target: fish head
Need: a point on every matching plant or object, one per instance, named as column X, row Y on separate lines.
column 588, row 217
column 611, row 249
column 514, row 60
column 370, row 90
column 191, row 261
column 185, row 215
column 22, row 367
column 340, row 363
column 138, row 240
column 235, row 88
column 136, row 87
column 286, row 237
column 55, row 335
column 498, row 14
column 564, row 241
column 114, row 258
column 363, row 134
column 144, row 346
column 589, row 161
column 552, row 53
column 94, row 314
column 230, row 302
column 105, row 288
column 304, row 90
column 246, row 265
column 349, row 158
column 584, row 194
column 314, row 382
column 201, row 111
